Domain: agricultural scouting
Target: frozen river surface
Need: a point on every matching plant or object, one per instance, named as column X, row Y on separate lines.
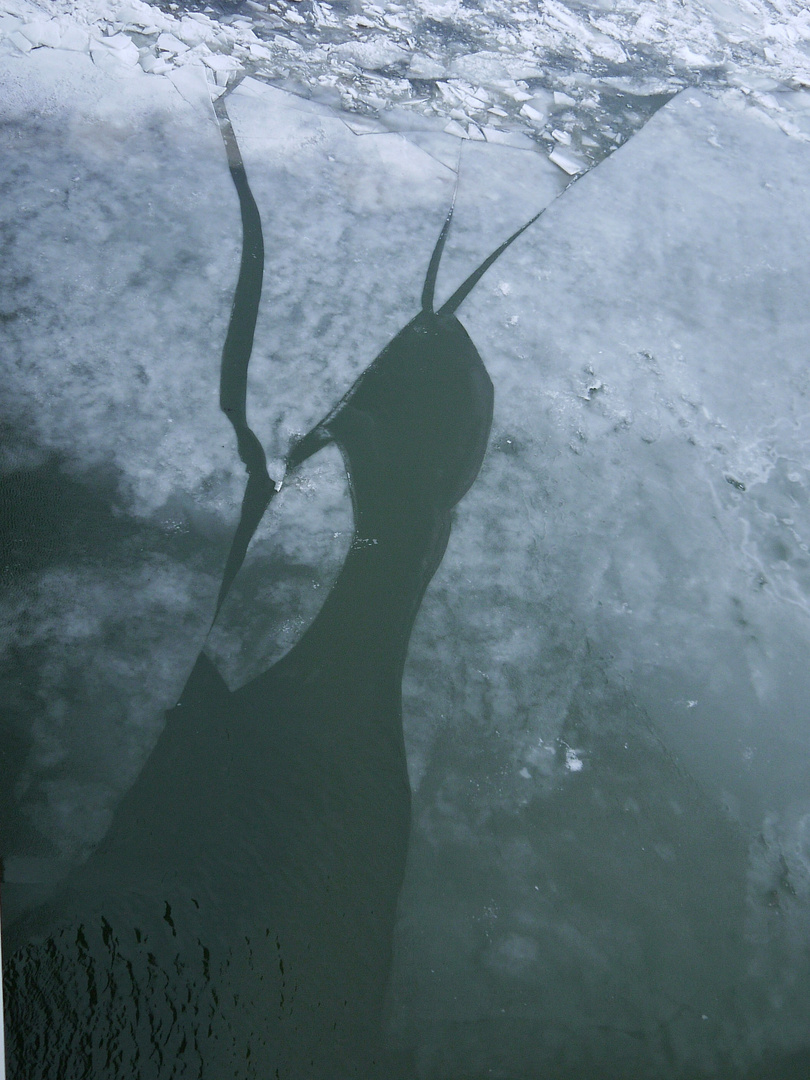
column 496, row 760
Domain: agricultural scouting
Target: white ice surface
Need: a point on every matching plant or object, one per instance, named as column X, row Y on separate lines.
column 121, row 256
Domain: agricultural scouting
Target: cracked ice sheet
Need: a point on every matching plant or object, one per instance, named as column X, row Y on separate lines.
column 603, row 545
column 118, row 284
column 608, row 575
column 121, row 249
column 350, row 222
column 600, row 575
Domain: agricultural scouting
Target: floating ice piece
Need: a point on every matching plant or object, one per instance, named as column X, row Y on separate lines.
column 566, row 161
column 261, row 52
column 277, row 470
column 477, row 97
column 170, row 44
column 563, row 137
column 563, row 99
column 376, row 52
column 533, row 114
column 448, row 91
column 573, row 762
column 218, row 62
column 154, row 65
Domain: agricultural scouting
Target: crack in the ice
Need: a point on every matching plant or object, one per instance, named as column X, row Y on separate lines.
column 236, row 352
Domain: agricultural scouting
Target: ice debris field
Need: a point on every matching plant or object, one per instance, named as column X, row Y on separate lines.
column 572, row 80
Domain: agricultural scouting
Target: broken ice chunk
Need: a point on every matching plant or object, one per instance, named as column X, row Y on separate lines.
column 44, row 32
column 425, row 67
column 566, row 161
column 517, row 94
column 217, row 62
column 572, row 761
column 75, row 39
column 21, row 41
column 454, row 128
column 154, row 65
column 261, row 52
column 139, row 15
column 533, row 114
column 120, row 42
column 193, row 31
column 397, row 23
column 563, row 137
column 563, row 99
column 170, row 44
column 277, row 470
column 109, row 52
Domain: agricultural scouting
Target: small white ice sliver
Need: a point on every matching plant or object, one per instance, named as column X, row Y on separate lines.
column 566, row 161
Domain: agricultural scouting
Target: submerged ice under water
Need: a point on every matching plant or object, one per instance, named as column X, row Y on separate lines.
column 604, row 696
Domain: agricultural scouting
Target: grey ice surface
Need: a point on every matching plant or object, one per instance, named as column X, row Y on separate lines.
column 605, row 696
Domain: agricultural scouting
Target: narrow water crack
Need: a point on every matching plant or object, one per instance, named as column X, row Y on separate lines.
column 236, row 353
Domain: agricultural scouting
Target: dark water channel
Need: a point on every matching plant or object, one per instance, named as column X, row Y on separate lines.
column 237, row 920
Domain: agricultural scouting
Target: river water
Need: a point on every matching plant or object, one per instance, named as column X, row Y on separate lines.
column 403, row 678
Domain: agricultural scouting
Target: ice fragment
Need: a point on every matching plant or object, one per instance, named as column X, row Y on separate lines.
column 566, row 161
column 170, row 44
column 43, row 33
column 75, row 39
column 572, row 761
column 532, row 113
column 219, row 63
column 21, row 41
